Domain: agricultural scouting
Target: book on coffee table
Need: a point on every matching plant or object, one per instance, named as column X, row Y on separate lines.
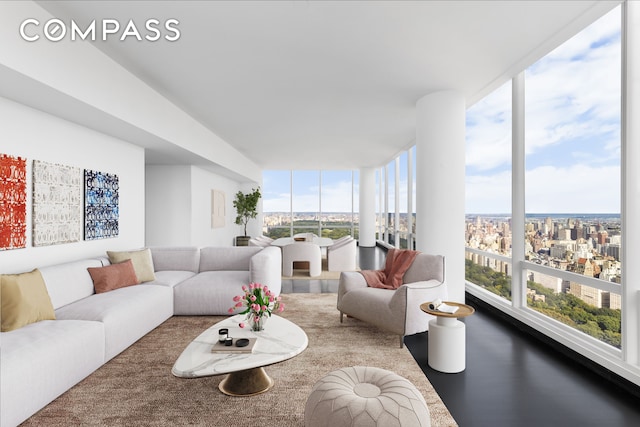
column 219, row 347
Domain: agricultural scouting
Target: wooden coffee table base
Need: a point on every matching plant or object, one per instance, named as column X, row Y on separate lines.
column 246, row 383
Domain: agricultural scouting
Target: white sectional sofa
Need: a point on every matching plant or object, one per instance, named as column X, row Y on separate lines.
column 42, row 360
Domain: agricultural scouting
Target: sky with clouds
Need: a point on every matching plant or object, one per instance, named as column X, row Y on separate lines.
column 572, row 131
column 572, row 140
column 334, row 186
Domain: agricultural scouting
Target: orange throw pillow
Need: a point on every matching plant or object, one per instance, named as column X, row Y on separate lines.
column 113, row 276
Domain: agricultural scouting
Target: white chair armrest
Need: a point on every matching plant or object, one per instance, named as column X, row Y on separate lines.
column 339, row 244
column 350, row 280
column 407, row 299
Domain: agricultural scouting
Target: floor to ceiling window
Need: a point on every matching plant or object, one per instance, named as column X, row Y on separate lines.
column 488, row 193
column 572, row 181
column 569, row 185
column 276, row 203
column 305, row 201
column 390, row 232
column 324, row 203
column 396, row 201
column 339, row 204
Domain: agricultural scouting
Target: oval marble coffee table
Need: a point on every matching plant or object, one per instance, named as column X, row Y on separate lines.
column 280, row 340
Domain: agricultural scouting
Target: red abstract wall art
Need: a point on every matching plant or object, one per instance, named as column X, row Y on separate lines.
column 13, row 202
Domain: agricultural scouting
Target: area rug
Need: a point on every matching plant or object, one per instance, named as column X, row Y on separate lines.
column 136, row 388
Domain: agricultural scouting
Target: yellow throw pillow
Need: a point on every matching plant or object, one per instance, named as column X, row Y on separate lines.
column 25, row 300
column 142, row 262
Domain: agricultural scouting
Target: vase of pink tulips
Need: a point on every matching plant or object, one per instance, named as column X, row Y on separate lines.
column 258, row 302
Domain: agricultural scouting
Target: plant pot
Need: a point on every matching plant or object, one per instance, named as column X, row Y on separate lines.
column 242, row 240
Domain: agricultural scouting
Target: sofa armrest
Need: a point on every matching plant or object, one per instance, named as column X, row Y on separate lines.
column 265, row 268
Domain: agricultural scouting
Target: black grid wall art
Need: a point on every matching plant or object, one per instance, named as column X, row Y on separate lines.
column 101, row 205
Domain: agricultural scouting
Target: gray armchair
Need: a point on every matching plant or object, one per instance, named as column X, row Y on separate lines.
column 395, row 310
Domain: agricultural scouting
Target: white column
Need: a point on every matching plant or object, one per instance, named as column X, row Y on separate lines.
column 631, row 183
column 367, row 211
column 440, row 183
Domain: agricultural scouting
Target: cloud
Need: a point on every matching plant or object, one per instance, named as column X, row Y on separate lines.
column 488, row 136
column 574, row 92
column 548, row 189
column 578, row 188
column 488, row 193
column 572, row 131
column 336, row 195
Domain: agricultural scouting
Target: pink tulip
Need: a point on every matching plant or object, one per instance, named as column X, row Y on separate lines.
column 264, row 308
column 266, row 289
column 239, row 304
column 253, row 298
column 231, row 310
column 237, row 298
column 241, row 324
column 244, row 288
column 271, row 298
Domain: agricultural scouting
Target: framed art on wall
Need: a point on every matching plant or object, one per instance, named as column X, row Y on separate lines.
column 217, row 208
column 101, row 205
column 57, row 204
column 13, row 202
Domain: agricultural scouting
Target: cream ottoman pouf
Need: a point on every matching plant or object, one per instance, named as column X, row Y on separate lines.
column 365, row 396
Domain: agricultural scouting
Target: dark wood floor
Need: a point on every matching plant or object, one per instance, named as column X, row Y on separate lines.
column 511, row 378
column 514, row 379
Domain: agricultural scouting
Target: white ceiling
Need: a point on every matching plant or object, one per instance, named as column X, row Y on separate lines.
column 328, row 84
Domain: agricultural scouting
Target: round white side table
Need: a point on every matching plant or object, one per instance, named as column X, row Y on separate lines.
column 447, row 343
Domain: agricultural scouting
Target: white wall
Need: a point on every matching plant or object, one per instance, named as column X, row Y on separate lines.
column 168, row 205
column 96, row 89
column 35, row 135
column 179, row 207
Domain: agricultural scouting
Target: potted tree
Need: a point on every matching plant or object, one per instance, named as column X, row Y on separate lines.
column 247, row 208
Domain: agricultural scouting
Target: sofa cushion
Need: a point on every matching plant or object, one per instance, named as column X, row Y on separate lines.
column 127, row 313
column 69, row 282
column 25, row 300
column 113, row 276
column 43, row 360
column 227, row 258
column 170, row 278
column 209, row 293
column 178, row 258
column 142, row 262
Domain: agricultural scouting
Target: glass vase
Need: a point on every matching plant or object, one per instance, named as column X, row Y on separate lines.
column 256, row 321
